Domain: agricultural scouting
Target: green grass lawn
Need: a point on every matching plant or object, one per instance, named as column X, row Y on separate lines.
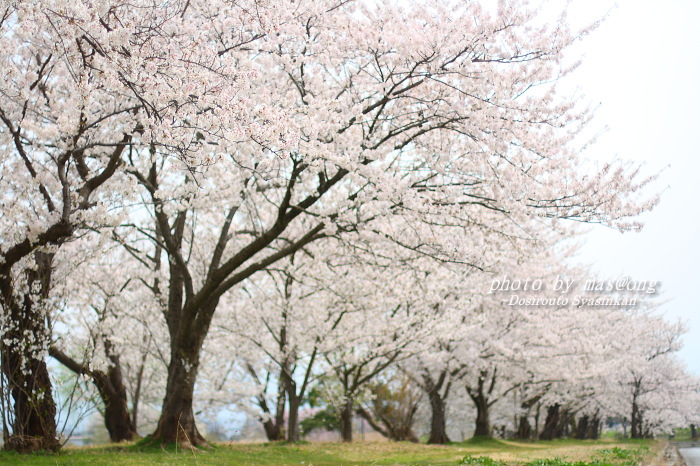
column 485, row 452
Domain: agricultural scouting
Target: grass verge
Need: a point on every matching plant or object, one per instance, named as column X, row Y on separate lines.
column 476, row 451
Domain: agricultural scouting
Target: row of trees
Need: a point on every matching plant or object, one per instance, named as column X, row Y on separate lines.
column 384, row 342
column 279, row 190
column 513, row 363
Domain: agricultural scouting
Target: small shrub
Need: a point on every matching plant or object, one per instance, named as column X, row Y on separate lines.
column 483, row 460
column 629, row 457
column 556, row 462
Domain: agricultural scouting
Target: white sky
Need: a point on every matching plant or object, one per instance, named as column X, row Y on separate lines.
column 643, row 67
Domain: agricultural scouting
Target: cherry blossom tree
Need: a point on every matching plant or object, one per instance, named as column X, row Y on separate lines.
column 651, row 385
column 106, row 328
column 316, row 309
column 83, row 84
column 437, row 369
column 286, row 319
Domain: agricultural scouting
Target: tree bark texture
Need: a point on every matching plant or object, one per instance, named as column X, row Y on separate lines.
column 23, row 365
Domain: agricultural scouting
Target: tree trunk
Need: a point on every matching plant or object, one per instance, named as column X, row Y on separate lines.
column 290, row 386
column 110, row 386
column 594, row 427
column 438, row 420
column 23, row 364
column 112, row 392
column 524, row 429
column 293, row 418
column 568, row 424
column 480, row 397
column 582, row 428
column 551, row 424
column 34, row 410
column 188, row 325
column 636, row 424
column 273, row 431
column 177, row 421
column 273, row 427
column 483, row 424
column 346, row 420
column 118, row 422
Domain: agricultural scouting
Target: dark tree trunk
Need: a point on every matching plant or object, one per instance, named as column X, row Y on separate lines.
column 177, row 421
column 273, row 424
column 110, row 386
column 438, row 420
column 406, row 434
column 693, row 431
column 290, row 386
column 483, row 424
column 25, row 371
column 293, row 418
column 119, row 423
column 551, row 424
column 582, row 428
column 273, row 431
column 557, row 424
column 346, row 418
column 34, row 410
column 480, row 398
column 524, row 429
column 568, row 426
column 594, row 427
column 637, row 421
column 273, row 427
column 294, row 394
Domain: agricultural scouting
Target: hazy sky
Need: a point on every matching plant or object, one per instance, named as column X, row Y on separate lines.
column 643, row 67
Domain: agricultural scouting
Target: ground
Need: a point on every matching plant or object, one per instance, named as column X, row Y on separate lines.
column 485, row 452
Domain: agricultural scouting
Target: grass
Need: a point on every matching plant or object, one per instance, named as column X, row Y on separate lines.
column 476, row 451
